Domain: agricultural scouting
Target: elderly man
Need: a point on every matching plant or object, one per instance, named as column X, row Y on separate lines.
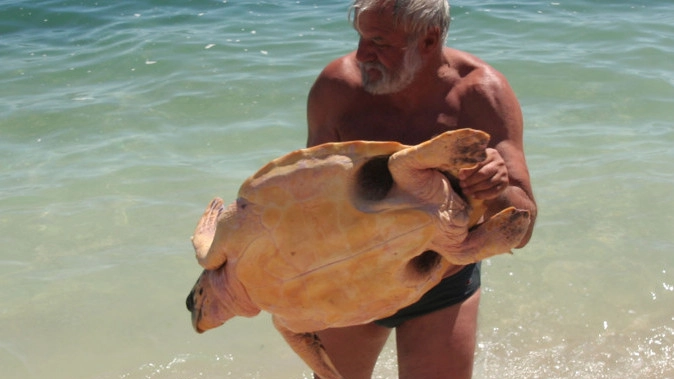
column 403, row 84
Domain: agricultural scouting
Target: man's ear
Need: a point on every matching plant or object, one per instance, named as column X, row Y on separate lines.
column 430, row 41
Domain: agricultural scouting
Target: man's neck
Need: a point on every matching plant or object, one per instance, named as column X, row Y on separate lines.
column 422, row 89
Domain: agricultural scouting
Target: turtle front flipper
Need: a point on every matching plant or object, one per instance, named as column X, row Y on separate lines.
column 309, row 347
column 205, row 231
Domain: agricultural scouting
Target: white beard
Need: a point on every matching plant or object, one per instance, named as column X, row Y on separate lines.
column 391, row 82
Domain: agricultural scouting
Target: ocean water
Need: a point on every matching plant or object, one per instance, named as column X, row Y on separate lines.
column 120, row 120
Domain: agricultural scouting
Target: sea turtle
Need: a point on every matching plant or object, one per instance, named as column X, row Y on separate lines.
column 342, row 234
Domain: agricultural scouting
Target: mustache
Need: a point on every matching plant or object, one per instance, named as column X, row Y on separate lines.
column 364, row 66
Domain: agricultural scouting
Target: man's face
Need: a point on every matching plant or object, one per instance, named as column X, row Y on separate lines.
column 388, row 61
column 386, row 81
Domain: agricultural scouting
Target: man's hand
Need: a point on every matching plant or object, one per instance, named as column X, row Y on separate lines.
column 487, row 180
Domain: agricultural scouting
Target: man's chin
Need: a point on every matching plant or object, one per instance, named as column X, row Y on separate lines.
column 376, row 91
column 382, row 88
column 372, row 74
column 380, row 84
column 371, row 85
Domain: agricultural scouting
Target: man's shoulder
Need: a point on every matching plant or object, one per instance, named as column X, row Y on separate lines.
column 341, row 70
column 331, row 96
column 339, row 79
column 468, row 65
column 476, row 77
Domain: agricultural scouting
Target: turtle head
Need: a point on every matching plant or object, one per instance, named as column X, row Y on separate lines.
column 207, row 310
column 215, row 298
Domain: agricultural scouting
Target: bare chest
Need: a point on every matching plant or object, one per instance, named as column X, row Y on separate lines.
column 385, row 124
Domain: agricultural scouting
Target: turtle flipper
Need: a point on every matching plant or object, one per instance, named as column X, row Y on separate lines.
column 205, row 230
column 448, row 152
column 418, row 170
column 498, row 235
column 308, row 346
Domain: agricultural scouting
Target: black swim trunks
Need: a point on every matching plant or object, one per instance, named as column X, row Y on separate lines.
column 451, row 290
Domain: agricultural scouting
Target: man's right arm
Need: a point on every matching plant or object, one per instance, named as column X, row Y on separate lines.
column 329, row 100
column 320, row 129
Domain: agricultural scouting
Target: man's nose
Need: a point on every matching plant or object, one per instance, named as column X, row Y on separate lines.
column 365, row 52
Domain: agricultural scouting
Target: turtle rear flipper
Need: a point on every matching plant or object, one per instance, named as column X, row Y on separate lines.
column 498, row 235
column 449, row 152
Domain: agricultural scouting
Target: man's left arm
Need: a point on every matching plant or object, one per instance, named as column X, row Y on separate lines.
column 502, row 180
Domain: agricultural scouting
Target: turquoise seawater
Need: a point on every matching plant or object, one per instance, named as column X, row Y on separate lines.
column 120, row 120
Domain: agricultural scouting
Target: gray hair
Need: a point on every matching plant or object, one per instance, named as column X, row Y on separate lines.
column 416, row 16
